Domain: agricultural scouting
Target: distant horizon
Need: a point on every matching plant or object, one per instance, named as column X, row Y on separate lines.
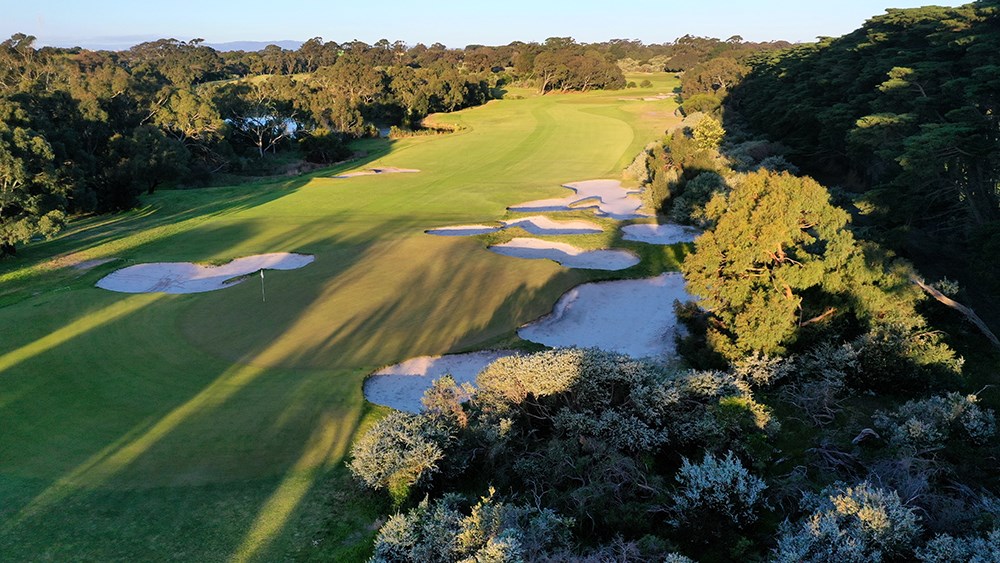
column 454, row 24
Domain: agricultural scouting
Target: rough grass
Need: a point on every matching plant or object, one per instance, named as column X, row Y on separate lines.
column 213, row 426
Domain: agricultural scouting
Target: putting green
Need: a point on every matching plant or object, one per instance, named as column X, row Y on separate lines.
column 213, row 426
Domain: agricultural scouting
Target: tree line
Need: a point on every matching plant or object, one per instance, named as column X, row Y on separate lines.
column 88, row 131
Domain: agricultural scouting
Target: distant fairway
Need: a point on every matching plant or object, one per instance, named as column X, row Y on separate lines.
column 212, row 426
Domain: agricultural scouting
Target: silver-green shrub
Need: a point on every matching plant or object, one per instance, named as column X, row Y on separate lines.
column 492, row 531
column 969, row 549
column 399, row 451
column 607, row 396
column 857, row 524
column 717, row 488
column 931, row 423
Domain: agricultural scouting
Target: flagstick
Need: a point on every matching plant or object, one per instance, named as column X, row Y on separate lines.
column 262, row 297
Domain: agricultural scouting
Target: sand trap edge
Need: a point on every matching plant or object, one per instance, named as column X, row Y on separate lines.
column 190, row 277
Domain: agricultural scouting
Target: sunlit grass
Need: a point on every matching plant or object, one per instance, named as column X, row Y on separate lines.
column 213, row 426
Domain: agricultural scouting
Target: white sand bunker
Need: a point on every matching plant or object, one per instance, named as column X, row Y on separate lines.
column 610, row 199
column 536, row 225
column 567, row 254
column 660, row 234
column 634, row 317
column 374, row 171
column 186, row 277
column 401, row 386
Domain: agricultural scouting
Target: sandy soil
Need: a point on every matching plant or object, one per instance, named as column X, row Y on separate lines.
column 402, row 385
column 75, row 261
column 660, row 234
column 634, row 317
column 536, row 225
column 567, row 254
column 607, row 197
column 374, row 171
column 186, row 277
column 87, row 265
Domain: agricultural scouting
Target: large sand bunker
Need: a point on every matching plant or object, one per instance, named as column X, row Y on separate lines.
column 634, row 317
column 536, row 225
column 401, row 386
column 374, row 171
column 186, row 277
column 610, row 199
column 567, row 254
column 660, row 234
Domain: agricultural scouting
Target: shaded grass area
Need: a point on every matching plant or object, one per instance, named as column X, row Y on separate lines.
column 213, row 426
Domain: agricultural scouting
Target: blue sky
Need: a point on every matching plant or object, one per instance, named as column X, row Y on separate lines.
column 454, row 23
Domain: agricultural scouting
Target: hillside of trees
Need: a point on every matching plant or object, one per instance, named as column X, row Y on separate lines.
column 830, row 407
column 902, row 114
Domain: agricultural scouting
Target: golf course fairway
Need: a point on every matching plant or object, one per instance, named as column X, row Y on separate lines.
column 213, row 426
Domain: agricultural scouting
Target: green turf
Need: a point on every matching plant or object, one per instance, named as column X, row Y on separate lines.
column 213, row 426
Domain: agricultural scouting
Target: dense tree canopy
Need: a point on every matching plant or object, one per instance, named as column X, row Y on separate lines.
column 90, row 131
column 32, row 195
column 781, row 258
column 904, row 108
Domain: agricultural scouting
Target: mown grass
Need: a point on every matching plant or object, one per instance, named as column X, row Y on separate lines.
column 213, row 426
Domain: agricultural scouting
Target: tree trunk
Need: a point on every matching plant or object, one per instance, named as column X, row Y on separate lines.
column 981, row 193
column 7, row 249
column 969, row 313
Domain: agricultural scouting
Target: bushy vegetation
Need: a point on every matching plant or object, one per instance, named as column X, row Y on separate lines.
column 948, row 549
column 902, row 112
column 803, row 325
column 855, row 524
column 599, row 438
column 491, row 531
column 601, row 447
column 400, row 451
column 934, row 422
column 716, row 494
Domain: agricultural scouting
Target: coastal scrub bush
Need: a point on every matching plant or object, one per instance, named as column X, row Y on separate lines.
column 716, row 494
column 968, row 549
column 580, row 429
column 441, row 531
column 857, row 524
column 400, row 451
column 704, row 103
column 688, row 208
column 708, row 133
column 894, row 357
column 581, row 392
column 931, row 423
